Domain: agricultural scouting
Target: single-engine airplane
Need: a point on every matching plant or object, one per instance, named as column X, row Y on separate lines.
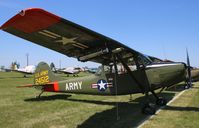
column 68, row 71
column 28, row 70
column 140, row 74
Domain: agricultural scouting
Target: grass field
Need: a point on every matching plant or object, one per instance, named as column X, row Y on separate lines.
column 183, row 113
column 20, row 109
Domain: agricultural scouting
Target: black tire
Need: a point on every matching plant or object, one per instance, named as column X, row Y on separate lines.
column 148, row 109
column 161, row 102
column 187, row 86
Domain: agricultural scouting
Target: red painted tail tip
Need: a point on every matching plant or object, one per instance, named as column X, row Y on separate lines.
column 52, row 88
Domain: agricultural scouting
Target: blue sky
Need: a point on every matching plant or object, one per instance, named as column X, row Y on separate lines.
column 161, row 28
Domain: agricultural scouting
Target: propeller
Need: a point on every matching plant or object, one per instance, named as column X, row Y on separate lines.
column 188, row 70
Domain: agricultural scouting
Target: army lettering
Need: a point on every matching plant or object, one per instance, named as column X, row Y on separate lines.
column 42, row 73
column 74, row 85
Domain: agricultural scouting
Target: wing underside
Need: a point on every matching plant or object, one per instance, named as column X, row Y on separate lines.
column 48, row 30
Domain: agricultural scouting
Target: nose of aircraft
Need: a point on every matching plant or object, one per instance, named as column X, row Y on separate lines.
column 180, row 70
column 183, row 68
column 187, row 75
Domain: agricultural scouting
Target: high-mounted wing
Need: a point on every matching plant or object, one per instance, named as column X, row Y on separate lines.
column 23, row 72
column 63, row 36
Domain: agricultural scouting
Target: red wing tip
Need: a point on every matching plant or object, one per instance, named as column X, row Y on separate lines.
column 21, row 13
column 28, row 11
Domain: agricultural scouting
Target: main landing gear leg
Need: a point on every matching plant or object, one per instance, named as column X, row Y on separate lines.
column 40, row 94
column 148, row 107
column 130, row 97
column 159, row 100
column 187, row 85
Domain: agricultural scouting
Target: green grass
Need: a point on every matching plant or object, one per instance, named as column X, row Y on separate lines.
column 183, row 113
column 19, row 108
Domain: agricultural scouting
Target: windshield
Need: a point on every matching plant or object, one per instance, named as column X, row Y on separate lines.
column 144, row 60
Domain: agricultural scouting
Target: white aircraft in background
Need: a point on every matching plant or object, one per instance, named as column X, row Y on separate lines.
column 28, row 70
column 70, row 70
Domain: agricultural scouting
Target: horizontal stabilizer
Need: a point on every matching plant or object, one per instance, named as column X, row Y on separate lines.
column 27, row 85
column 34, row 85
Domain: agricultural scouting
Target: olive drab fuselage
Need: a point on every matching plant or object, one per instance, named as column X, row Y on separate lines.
column 108, row 83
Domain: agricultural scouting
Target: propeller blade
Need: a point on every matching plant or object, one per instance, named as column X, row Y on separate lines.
column 188, row 68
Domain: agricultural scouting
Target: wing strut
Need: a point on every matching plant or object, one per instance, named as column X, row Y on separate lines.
column 130, row 73
column 116, row 73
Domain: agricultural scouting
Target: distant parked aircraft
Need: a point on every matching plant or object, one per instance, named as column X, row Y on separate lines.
column 28, row 70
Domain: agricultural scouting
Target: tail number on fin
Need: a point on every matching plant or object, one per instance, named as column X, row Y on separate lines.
column 42, row 77
column 42, row 80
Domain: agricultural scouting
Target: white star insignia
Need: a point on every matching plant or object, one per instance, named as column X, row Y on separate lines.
column 102, row 85
column 65, row 40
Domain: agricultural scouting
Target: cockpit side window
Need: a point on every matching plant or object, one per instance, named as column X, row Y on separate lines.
column 108, row 69
column 99, row 71
column 103, row 69
column 142, row 61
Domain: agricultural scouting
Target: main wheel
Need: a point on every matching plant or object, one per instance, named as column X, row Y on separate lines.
column 161, row 102
column 149, row 109
column 187, row 86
